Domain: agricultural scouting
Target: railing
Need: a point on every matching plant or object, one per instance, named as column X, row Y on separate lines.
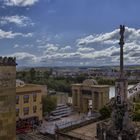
column 75, row 122
column 134, row 90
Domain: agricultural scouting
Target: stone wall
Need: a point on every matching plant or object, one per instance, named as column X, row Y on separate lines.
column 7, row 99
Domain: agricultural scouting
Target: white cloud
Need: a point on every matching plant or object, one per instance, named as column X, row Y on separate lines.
column 85, row 54
column 107, row 38
column 49, row 48
column 108, row 54
column 25, row 57
column 65, row 49
column 21, row 21
column 23, row 46
column 16, row 46
column 106, row 48
column 111, row 38
column 27, row 35
column 10, row 34
column 20, row 2
column 85, row 50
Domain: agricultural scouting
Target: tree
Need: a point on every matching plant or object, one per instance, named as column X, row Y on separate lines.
column 136, row 116
column 80, row 78
column 136, row 113
column 49, row 103
column 105, row 112
column 32, row 73
column 46, row 74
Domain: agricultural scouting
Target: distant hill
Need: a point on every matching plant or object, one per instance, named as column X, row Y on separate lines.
column 26, row 68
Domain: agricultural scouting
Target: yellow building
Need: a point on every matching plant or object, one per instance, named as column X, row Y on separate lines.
column 29, row 102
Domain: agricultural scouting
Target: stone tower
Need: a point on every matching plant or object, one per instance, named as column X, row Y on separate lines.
column 120, row 126
column 7, row 98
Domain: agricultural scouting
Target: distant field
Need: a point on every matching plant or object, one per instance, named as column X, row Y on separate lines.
column 127, row 67
column 133, row 67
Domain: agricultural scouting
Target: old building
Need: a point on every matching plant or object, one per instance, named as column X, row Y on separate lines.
column 29, row 103
column 89, row 90
column 7, row 98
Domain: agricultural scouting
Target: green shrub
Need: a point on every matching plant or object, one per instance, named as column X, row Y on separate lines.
column 136, row 116
column 105, row 112
column 48, row 103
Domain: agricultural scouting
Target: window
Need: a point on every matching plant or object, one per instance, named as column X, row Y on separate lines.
column 34, row 97
column 26, row 98
column 26, row 110
column 17, row 112
column 34, row 109
column 17, row 99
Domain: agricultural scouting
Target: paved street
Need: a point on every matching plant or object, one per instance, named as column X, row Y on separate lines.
column 50, row 126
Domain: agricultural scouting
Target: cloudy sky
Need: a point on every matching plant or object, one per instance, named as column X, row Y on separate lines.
column 69, row 32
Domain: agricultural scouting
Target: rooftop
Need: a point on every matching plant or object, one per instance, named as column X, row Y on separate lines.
column 28, row 88
column 87, row 131
column 96, row 86
column 8, row 61
column 90, row 83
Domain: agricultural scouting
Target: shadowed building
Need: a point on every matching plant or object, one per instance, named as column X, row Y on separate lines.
column 7, row 98
column 89, row 90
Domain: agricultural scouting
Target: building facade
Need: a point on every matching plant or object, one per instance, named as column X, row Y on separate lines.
column 7, row 98
column 87, row 91
column 29, row 103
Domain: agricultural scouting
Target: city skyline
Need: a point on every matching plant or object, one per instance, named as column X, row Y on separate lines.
column 69, row 33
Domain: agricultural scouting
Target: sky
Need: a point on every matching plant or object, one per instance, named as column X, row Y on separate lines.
column 69, row 32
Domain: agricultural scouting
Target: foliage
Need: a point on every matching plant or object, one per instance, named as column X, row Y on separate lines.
column 105, row 112
column 105, row 81
column 32, row 73
column 137, row 107
column 49, row 103
column 62, row 84
column 46, row 74
column 59, row 85
column 80, row 78
column 136, row 116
